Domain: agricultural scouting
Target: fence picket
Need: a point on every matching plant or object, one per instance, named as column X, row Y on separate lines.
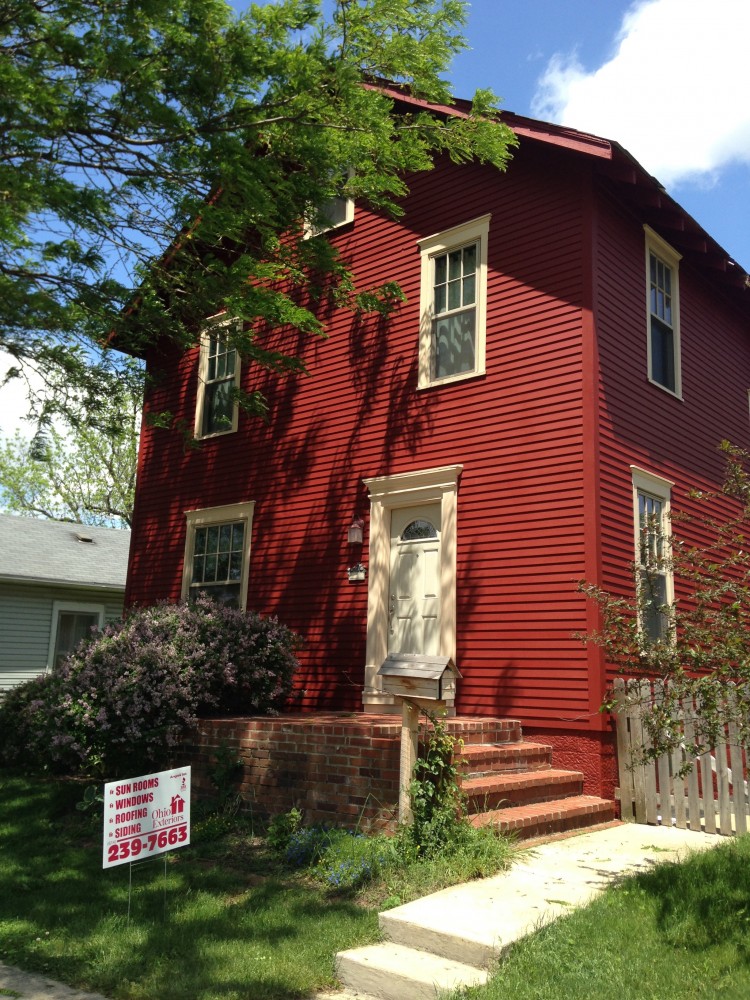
column 722, row 787
column 694, row 803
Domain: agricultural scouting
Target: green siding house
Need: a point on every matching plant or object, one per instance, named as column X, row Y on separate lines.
column 57, row 580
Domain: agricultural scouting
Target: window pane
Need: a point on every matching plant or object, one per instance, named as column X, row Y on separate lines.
column 418, row 529
column 200, row 541
column 662, row 354
column 238, row 535
column 218, row 407
column 454, row 264
column 227, row 594
column 235, row 566
column 469, row 290
column 441, row 274
column 72, row 627
column 470, row 259
column 440, row 298
column 209, row 572
column 454, row 295
column 197, row 570
column 222, row 566
column 225, row 538
column 454, row 344
column 212, row 538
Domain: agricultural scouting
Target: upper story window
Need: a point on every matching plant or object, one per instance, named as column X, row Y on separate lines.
column 662, row 264
column 653, row 554
column 453, row 303
column 217, row 553
column 332, row 214
column 218, row 376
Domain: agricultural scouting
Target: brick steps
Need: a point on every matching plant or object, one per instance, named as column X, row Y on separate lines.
column 515, row 789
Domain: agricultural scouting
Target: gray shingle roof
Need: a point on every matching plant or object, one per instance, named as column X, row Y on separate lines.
column 46, row 551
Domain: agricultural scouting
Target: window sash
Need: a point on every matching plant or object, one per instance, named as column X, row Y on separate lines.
column 454, row 310
column 72, row 627
column 653, row 567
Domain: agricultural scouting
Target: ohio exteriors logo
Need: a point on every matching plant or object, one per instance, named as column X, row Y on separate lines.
column 171, row 814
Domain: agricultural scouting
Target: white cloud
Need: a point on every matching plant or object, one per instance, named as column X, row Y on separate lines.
column 676, row 92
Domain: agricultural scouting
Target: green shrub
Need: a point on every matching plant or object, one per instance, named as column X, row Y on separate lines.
column 124, row 699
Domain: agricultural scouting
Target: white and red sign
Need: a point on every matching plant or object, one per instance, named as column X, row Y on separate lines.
column 146, row 816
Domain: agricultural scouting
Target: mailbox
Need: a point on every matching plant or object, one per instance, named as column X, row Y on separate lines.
column 420, row 677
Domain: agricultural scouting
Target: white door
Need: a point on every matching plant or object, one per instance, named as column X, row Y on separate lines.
column 414, row 591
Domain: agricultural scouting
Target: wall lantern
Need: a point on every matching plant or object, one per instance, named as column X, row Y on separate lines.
column 355, row 532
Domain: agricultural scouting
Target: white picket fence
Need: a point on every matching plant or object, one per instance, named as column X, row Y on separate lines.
column 712, row 796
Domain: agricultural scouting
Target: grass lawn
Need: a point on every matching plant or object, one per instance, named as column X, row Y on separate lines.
column 228, row 922
column 225, row 920
column 679, row 931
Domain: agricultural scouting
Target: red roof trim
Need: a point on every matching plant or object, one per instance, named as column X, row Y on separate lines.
column 530, row 128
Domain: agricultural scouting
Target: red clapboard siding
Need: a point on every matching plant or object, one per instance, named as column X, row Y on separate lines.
column 516, row 432
column 546, row 438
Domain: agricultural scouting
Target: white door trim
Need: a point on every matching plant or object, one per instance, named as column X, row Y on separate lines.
column 405, row 490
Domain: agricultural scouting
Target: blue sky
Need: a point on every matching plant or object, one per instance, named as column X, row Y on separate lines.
column 668, row 79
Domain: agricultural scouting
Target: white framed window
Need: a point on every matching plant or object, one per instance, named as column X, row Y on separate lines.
column 71, row 622
column 218, row 377
column 336, row 212
column 217, row 553
column 453, row 303
column 653, row 554
column 663, row 304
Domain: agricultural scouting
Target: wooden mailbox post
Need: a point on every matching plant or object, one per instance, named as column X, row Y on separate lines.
column 421, row 682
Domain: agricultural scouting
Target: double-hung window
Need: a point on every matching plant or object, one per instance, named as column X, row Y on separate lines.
column 217, row 553
column 662, row 268
column 653, row 555
column 218, row 377
column 453, row 303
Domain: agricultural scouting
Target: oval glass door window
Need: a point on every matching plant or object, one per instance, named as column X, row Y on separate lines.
column 417, row 530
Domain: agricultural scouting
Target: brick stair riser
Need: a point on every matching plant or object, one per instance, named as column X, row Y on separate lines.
column 483, row 801
column 489, row 733
column 478, row 762
column 545, row 819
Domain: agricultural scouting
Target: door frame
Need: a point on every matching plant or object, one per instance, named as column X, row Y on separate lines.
column 407, row 489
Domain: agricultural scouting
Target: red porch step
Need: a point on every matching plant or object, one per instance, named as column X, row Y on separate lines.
column 479, row 760
column 546, row 818
column 515, row 788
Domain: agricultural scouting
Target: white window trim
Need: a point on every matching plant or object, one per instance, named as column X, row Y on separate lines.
column 661, row 489
column 218, row 515
column 476, row 230
column 438, row 485
column 660, row 248
column 311, row 230
column 76, row 607
column 214, row 324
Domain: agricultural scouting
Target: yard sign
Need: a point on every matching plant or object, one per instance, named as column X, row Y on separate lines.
column 146, row 816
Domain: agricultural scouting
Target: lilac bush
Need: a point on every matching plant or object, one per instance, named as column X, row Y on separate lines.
column 126, row 696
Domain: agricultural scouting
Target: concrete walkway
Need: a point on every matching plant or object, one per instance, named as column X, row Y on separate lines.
column 450, row 939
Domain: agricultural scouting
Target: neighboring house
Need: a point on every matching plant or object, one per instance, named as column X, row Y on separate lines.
column 57, row 580
column 573, row 348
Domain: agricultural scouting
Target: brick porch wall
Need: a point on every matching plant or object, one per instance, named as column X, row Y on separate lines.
column 341, row 769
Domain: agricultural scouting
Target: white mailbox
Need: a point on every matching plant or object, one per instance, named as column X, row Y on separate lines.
column 420, row 677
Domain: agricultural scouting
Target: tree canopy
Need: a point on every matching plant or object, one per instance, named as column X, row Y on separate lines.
column 157, row 161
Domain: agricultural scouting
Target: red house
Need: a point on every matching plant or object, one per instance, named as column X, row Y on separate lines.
column 572, row 349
